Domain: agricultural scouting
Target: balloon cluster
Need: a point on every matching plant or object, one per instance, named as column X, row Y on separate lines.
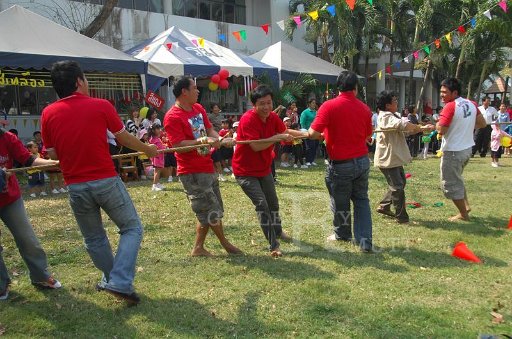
column 219, row 80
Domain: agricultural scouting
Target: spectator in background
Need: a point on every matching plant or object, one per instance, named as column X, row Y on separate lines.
column 292, row 113
column 35, row 177
column 215, row 117
column 306, row 118
column 414, row 139
column 483, row 135
column 38, row 140
column 151, row 119
column 133, row 124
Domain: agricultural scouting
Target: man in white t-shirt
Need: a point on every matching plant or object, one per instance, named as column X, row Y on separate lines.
column 457, row 121
column 483, row 135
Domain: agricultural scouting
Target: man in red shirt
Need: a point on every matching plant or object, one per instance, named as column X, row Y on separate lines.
column 14, row 216
column 74, row 131
column 346, row 124
column 252, row 162
column 187, row 124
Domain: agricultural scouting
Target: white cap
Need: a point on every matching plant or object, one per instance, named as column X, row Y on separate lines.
column 235, row 124
column 286, row 119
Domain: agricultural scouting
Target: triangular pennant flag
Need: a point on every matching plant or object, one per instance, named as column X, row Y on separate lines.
column 370, row 2
column 437, row 43
column 406, row 59
column 351, row 4
column 313, row 15
column 169, row 46
column 201, row 42
column 487, row 13
column 449, row 37
column 503, row 5
column 397, row 64
column 416, row 54
column 297, row 20
column 147, row 48
column 222, row 37
column 461, row 30
column 265, row 28
column 473, row 22
column 426, row 49
column 280, row 24
column 237, row 36
column 388, row 69
column 331, row 9
column 380, row 75
column 243, row 34
column 194, row 41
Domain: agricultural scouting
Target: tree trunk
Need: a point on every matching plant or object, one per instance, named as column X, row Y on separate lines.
column 99, row 21
column 470, row 82
column 411, row 71
column 504, row 97
column 425, row 79
column 482, row 78
column 461, row 61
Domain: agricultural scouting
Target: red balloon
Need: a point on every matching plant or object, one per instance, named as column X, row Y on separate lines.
column 223, row 73
column 215, row 78
column 224, row 84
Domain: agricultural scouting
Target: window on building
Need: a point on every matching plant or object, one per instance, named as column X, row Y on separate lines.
column 141, row 5
column 156, row 6
column 191, row 8
column 204, row 10
column 232, row 11
column 125, row 4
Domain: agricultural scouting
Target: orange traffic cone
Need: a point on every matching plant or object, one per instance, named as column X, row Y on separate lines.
column 461, row 251
column 510, row 223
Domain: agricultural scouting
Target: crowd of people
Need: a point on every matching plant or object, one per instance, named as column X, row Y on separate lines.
column 344, row 128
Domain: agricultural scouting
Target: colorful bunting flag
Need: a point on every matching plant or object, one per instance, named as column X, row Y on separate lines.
column 487, row 13
column 297, row 20
column 370, row 2
column 331, row 9
column 503, row 5
column 426, row 49
column 406, row 59
column 473, row 22
column 280, row 24
column 169, row 46
column 351, row 4
column 397, row 64
column 237, row 36
column 265, row 28
column 222, row 37
column 380, row 75
column 461, row 30
column 194, row 41
column 201, row 42
column 449, row 38
column 437, row 43
column 416, row 54
column 243, row 34
column 388, row 69
column 313, row 15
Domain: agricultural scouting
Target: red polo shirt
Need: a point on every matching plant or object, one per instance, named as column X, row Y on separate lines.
column 346, row 123
column 76, row 128
column 246, row 162
column 11, row 149
column 188, row 125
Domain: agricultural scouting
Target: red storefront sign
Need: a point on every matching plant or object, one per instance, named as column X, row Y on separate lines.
column 154, row 100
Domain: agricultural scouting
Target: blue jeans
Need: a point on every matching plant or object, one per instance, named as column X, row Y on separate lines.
column 349, row 182
column 15, row 218
column 311, row 147
column 109, row 194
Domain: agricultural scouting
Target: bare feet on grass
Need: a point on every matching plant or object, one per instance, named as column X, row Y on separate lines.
column 459, row 217
column 232, row 249
column 276, row 253
column 200, row 252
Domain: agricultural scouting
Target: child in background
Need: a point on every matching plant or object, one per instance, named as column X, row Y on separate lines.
column 170, row 163
column 142, row 135
column 158, row 162
column 35, row 177
column 226, row 152
column 496, row 148
column 286, row 146
column 297, row 149
column 426, row 139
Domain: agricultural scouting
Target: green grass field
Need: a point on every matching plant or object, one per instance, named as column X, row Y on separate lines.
column 412, row 288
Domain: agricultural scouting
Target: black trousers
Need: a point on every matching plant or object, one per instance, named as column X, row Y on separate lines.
column 482, row 140
column 396, row 192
